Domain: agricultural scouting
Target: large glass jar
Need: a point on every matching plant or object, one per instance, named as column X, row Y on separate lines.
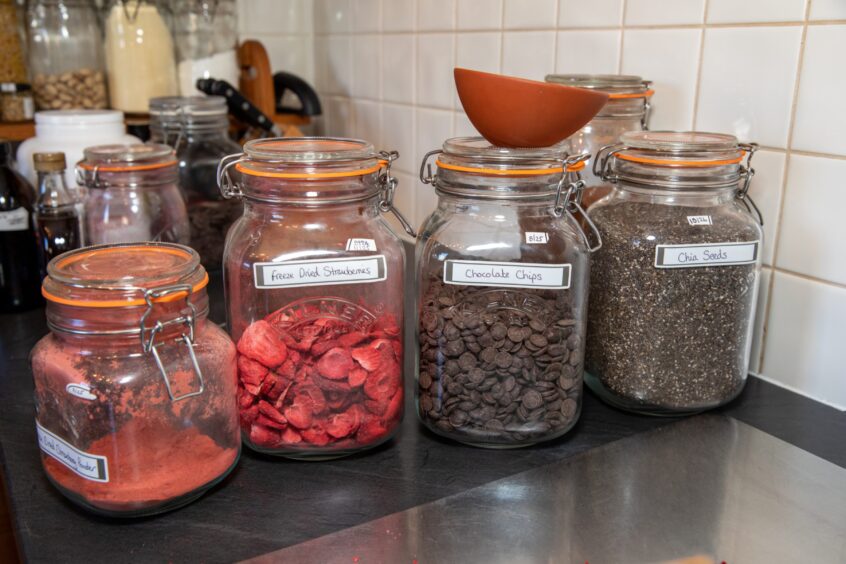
column 503, row 269
column 66, row 55
column 133, row 194
column 197, row 128
column 139, row 54
column 206, row 35
column 628, row 109
column 134, row 388
column 673, row 289
column 314, row 293
column 12, row 66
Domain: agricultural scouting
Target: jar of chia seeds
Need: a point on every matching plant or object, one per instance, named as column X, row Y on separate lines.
column 674, row 287
column 628, row 109
column 503, row 270
column 314, row 291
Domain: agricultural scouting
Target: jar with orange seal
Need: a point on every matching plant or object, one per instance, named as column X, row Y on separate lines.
column 134, row 387
column 628, row 109
column 314, row 290
column 503, row 266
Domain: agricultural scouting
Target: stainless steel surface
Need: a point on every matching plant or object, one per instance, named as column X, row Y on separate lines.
column 709, row 486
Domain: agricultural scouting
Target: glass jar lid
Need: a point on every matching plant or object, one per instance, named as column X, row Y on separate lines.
column 132, row 165
column 305, row 157
column 608, row 83
column 188, row 111
column 476, row 155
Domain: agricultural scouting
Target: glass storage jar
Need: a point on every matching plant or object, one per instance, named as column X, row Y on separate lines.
column 139, row 53
column 66, row 55
column 134, row 388
column 197, row 128
column 133, row 194
column 314, row 292
column 206, row 35
column 16, row 102
column 673, row 290
column 628, row 109
column 12, row 67
column 503, row 269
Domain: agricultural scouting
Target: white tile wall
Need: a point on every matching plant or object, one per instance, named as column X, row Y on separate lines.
column 766, row 70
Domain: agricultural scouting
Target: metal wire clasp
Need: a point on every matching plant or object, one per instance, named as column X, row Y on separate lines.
column 228, row 187
column 746, row 173
column 148, row 334
column 426, row 174
column 602, row 162
column 571, row 201
column 388, row 184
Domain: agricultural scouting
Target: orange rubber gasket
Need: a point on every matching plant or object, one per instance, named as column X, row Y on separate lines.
column 644, row 160
column 306, row 175
column 122, row 303
column 107, row 168
column 624, row 96
column 511, row 172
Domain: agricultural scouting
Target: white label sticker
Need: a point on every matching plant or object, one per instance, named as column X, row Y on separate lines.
column 699, row 220
column 361, row 245
column 320, row 272
column 507, row 274
column 15, row 220
column 81, row 390
column 89, row 466
column 714, row 254
column 537, row 238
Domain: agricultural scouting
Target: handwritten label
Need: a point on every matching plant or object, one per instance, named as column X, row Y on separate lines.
column 89, row 466
column 537, row 238
column 716, row 254
column 699, row 220
column 320, row 272
column 361, row 245
column 82, row 391
column 15, row 220
column 507, row 274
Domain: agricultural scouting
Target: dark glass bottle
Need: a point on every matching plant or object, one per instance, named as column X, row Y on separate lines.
column 20, row 278
column 57, row 211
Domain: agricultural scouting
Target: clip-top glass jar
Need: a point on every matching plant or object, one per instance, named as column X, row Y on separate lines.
column 673, row 290
column 134, row 388
column 314, row 291
column 133, row 194
column 206, row 36
column 628, row 109
column 503, row 269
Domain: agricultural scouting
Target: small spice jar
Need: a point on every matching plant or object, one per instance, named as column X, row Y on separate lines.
column 314, row 292
column 16, row 102
column 133, row 194
column 134, row 388
column 503, row 269
column 673, row 289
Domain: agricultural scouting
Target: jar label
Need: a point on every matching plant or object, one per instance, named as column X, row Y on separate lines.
column 15, row 220
column 361, row 245
column 90, row 466
column 709, row 254
column 82, row 391
column 320, row 272
column 507, row 274
column 699, row 220
column 537, row 238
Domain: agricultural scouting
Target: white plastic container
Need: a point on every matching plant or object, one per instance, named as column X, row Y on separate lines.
column 71, row 131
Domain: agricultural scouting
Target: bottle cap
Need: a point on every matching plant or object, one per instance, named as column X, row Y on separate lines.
column 49, row 162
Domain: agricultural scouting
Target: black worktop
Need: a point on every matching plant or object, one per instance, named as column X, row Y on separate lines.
column 267, row 503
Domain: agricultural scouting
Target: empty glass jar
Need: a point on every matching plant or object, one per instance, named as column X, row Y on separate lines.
column 674, row 287
column 314, row 292
column 503, row 269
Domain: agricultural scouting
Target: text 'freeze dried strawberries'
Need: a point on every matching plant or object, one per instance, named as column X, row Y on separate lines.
column 307, row 382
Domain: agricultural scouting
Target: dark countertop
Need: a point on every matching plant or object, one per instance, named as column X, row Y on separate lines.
column 267, row 504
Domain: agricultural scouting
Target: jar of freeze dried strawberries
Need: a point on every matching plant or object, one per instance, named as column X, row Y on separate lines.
column 314, row 288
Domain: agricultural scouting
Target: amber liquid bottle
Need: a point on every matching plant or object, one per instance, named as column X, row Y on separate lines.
column 57, row 211
column 20, row 277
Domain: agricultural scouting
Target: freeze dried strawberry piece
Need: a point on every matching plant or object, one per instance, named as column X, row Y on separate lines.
column 335, row 364
column 397, row 346
column 250, row 371
column 291, row 437
column 269, row 387
column 251, row 389
column 249, row 415
column 288, row 370
column 383, row 383
column 368, row 357
column 315, row 436
column 338, row 400
column 388, row 325
column 394, row 410
column 370, row 431
column 342, row 424
column 261, row 342
column 356, row 377
column 299, row 415
column 351, row 339
column 376, row 407
column 312, row 396
column 265, row 421
column 321, row 347
column 262, row 436
column 328, row 385
column 245, row 399
column 271, row 412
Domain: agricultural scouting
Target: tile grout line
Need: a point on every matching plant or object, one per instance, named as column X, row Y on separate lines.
column 625, row 7
column 808, row 278
column 784, row 187
column 699, row 68
column 554, row 37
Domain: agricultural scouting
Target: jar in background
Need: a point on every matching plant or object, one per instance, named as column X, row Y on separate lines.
column 133, row 194
column 133, row 380
column 139, row 54
column 206, row 35
column 12, row 65
column 70, row 132
column 314, row 294
column 66, row 55
column 197, row 128
column 503, row 269
column 674, row 287
column 16, row 102
column 628, row 109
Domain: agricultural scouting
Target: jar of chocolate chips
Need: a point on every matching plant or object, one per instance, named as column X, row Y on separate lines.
column 503, row 270
column 673, row 289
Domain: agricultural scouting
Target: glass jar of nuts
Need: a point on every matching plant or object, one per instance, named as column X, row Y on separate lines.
column 66, row 55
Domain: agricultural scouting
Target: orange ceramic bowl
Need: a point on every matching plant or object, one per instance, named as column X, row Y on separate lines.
column 515, row 112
